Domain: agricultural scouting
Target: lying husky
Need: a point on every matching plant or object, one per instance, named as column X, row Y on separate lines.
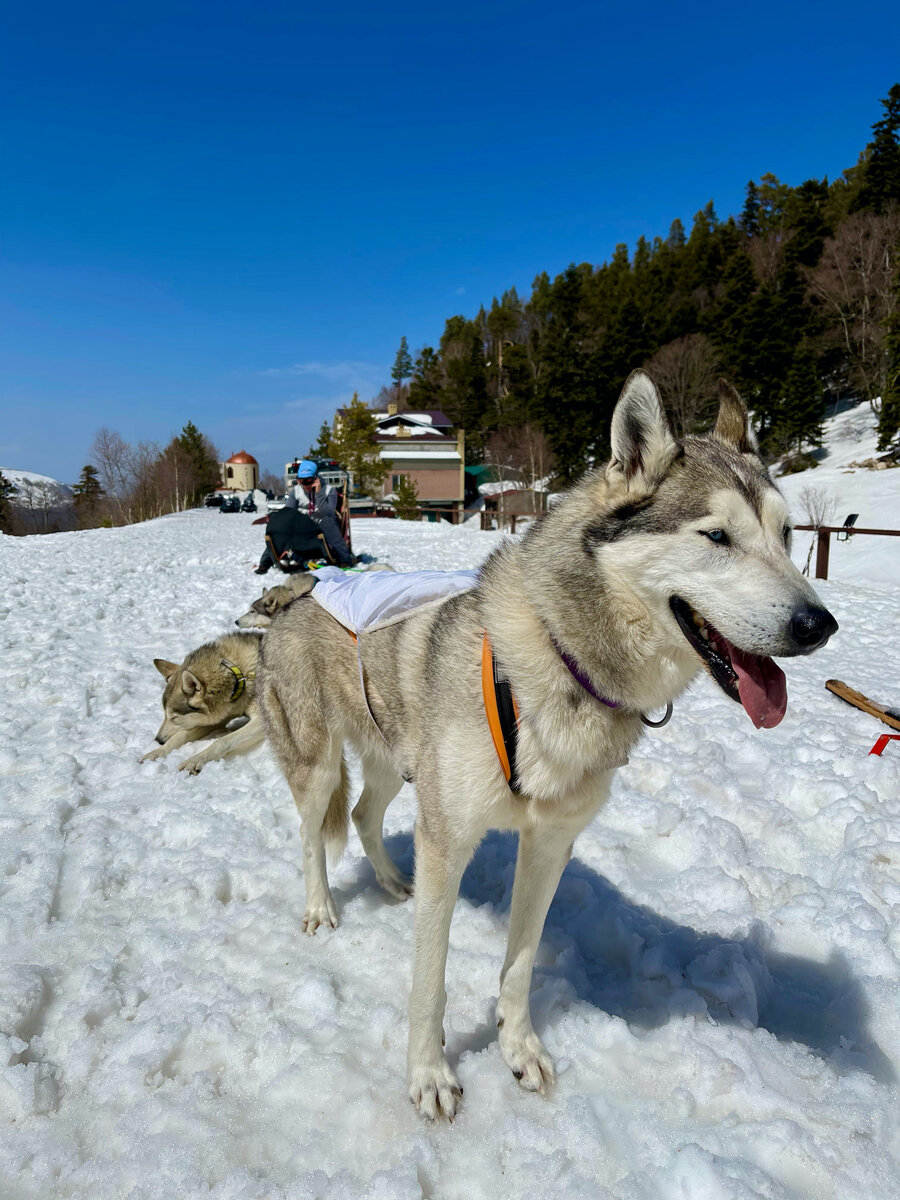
column 273, row 600
column 214, row 686
column 670, row 558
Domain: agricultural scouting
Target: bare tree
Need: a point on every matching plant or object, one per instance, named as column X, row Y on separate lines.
column 687, row 372
column 38, row 501
column 270, row 482
column 113, row 458
column 146, row 501
column 819, row 508
column 853, row 280
column 522, row 456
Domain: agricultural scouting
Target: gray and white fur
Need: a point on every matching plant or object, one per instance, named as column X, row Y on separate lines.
column 594, row 578
column 203, row 696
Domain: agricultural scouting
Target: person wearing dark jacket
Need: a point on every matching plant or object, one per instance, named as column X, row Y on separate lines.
column 321, row 506
column 290, row 530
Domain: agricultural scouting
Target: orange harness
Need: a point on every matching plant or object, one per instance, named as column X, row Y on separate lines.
column 502, row 714
column 499, row 705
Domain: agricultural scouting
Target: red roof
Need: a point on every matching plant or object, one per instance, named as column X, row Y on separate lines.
column 243, row 457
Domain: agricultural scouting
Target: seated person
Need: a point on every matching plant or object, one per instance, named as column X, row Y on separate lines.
column 292, row 532
column 321, row 506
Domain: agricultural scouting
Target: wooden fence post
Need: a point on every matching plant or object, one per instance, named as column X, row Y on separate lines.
column 824, row 536
column 512, row 522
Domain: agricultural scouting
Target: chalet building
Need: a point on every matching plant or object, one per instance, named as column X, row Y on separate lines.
column 240, row 472
column 422, row 446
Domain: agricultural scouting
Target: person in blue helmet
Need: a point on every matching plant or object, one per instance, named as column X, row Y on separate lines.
column 321, row 505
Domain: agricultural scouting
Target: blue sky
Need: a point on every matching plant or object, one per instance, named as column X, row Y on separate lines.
column 231, row 212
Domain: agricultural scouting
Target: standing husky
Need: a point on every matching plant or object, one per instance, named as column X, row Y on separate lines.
column 671, row 557
column 215, row 685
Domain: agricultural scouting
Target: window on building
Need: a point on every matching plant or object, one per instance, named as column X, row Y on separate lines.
column 395, row 481
column 230, row 472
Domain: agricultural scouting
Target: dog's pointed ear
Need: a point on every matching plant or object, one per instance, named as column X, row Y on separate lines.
column 733, row 422
column 166, row 669
column 270, row 605
column 192, row 687
column 643, row 445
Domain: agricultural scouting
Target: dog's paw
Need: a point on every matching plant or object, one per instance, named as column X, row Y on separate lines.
column 435, row 1091
column 528, row 1060
column 152, row 755
column 193, row 765
column 396, row 884
column 320, row 914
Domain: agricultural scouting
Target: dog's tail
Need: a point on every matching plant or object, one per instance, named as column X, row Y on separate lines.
column 334, row 827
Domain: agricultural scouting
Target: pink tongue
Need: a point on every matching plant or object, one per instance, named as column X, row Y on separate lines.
column 762, row 688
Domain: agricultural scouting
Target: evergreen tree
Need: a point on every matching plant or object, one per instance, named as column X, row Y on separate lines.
column 675, row 240
column 402, row 368
column 801, row 412
column 204, row 468
column 7, row 492
column 881, row 166
column 322, row 447
column 406, row 499
column 889, row 417
column 353, row 445
column 749, row 222
column 87, row 493
column 427, row 380
column 465, row 394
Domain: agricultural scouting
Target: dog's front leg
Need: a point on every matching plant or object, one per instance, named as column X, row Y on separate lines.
column 228, row 743
column 543, row 853
column 176, row 741
column 433, row 1087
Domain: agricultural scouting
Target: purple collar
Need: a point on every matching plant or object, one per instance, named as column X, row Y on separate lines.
column 580, row 676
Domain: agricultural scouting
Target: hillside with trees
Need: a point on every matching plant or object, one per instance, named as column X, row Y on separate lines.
column 795, row 299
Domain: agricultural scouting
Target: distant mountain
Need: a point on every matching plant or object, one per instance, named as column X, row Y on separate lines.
column 37, row 491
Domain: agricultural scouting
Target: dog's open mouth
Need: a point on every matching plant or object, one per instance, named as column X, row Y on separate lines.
column 755, row 682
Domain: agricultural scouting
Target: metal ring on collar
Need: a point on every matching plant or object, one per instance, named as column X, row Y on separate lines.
column 666, row 718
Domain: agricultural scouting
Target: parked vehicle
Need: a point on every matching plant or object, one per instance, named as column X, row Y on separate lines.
column 213, row 500
column 274, row 504
column 230, row 504
column 249, row 504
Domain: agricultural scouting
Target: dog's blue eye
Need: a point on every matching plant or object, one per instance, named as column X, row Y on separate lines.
column 719, row 536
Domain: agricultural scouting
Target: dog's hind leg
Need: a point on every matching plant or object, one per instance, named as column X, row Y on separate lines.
column 381, row 783
column 433, row 1087
column 313, row 765
column 543, row 854
column 319, row 789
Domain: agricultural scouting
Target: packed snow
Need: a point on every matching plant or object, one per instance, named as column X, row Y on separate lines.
column 718, row 978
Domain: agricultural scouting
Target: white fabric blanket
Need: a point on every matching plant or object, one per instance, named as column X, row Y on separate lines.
column 377, row 598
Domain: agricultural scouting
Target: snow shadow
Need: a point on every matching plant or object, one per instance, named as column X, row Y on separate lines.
column 635, row 964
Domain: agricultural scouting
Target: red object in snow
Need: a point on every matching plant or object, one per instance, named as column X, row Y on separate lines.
column 882, row 742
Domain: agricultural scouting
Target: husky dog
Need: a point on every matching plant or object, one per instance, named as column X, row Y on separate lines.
column 214, row 686
column 273, row 600
column 670, row 558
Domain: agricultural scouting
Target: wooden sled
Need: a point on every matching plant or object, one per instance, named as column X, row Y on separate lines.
column 858, row 700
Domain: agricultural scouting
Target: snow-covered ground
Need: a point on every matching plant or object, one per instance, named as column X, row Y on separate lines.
column 875, row 495
column 718, row 979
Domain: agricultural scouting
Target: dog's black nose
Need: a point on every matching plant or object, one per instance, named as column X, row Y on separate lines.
column 161, row 740
column 811, row 628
